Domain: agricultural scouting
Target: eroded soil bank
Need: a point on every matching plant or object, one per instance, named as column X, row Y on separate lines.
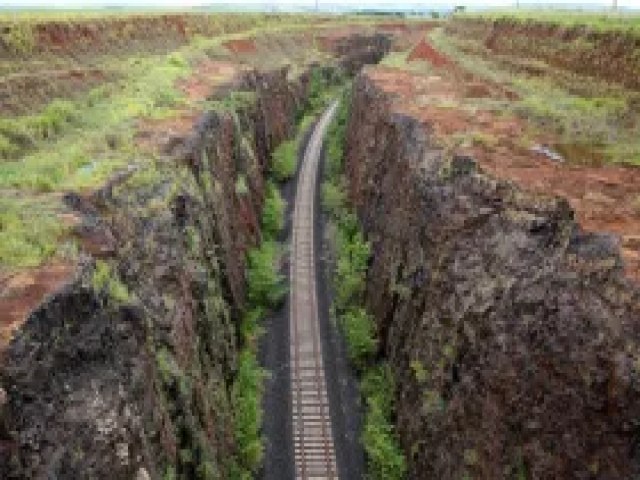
column 608, row 55
column 512, row 333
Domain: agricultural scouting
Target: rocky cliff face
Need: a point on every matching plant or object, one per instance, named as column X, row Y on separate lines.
column 116, row 378
column 512, row 334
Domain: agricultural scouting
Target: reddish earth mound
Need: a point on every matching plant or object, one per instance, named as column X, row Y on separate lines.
column 424, row 51
column 245, row 45
column 22, row 292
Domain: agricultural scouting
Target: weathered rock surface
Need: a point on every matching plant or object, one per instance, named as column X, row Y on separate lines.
column 100, row 389
column 513, row 334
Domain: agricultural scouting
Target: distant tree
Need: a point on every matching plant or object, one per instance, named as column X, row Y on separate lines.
column 434, row 14
column 459, row 9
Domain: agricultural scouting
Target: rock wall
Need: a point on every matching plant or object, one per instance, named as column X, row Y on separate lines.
column 512, row 334
column 101, row 386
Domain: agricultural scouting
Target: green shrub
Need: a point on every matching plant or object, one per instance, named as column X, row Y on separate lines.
column 51, row 121
column 250, row 326
column 351, row 264
column 385, row 458
column 273, row 212
column 105, row 281
column 246, row 395
column 265, row 285
column 333, row 198
column 169, row 473
column 284, row 160
column 360, row 334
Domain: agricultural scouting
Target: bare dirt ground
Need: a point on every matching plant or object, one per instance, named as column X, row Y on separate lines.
column 604, row 197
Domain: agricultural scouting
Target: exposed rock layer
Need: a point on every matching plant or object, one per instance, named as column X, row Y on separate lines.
column 97, row 389
column 513, row 334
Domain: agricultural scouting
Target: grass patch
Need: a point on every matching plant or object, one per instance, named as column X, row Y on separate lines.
column 29, row 232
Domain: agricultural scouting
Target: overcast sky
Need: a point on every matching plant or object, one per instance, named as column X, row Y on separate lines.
column 355, row 3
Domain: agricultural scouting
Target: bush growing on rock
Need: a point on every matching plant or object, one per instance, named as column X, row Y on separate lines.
column 273, row 212
column 265, row 285
column 284, row 161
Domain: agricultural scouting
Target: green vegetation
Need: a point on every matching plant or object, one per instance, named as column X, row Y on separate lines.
column 360, row 334
column 385, row 458
column 19, row 135
column 273, row 212
column 106, row 281
column 386, row 461
column 265, row 286
column 28, row 232
column 570, row 18
column 591, row 117
column 79, row 144
column 266, row 290
column 246, row 397
column 323, row 86
column 19, row 37
column 284, row 161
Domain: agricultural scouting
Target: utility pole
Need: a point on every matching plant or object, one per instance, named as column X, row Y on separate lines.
column 615, row 5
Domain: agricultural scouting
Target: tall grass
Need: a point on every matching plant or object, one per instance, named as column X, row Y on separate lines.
column 29, row 232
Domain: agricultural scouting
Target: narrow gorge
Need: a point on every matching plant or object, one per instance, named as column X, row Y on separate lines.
column 308, row 259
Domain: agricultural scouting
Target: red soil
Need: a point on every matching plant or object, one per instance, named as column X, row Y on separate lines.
column 23, row 292
column 424, row 51
column 605, row 198
column 244, row 45
column 205, row 77
column 156, row 135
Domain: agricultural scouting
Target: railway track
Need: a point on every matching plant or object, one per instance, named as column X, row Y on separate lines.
column 314, row 450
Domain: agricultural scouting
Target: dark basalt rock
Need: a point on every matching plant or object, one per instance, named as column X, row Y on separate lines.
column 523, row 327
